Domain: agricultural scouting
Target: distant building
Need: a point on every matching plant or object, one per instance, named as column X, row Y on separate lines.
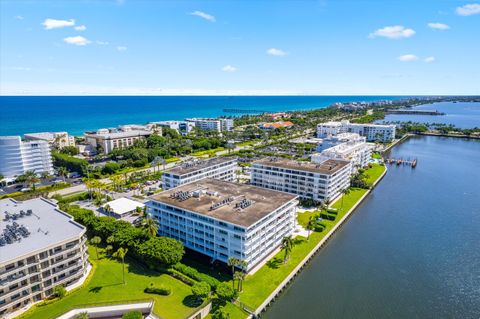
column 276, row 125
column 372, row 132
column 40, row 247
column 217, row 167
column 278, row 115
column 182, row 127
column 316, row 181
column 222, row 219
column 212, row 124
column 122, row 207
column 346, row 146
column 17, row 157
column 106, row 140
column 55, row 139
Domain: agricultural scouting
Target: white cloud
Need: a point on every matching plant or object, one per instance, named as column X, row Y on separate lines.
column 19, row 17
column 276, row 52
column 102, row 42
column 438, row 26
column 49, row 24
column 429, row 59
column 468, row 9
column 408, row 58
column 393, row 32
column 229, row 68
column 121, row 48
column 204, row 15
column 78, row 40
column 80, row 28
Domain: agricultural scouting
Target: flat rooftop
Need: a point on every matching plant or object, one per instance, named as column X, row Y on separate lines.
column 328, row 167
column 263, row 201
column 197, row 164
column 47, row 226
column 121, row 134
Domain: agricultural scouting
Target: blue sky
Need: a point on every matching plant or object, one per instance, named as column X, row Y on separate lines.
column 240, row 47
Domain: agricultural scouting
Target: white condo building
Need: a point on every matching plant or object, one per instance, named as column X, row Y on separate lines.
column 55, row 139
column 219, row 125
column 316, row 181
column 182, row 127
column 345, row 146
column 40, row 247
column 17, row 157
column 372, row 132
column 222, row 219
column 218, row 167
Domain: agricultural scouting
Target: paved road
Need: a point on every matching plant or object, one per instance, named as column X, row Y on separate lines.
column 82, row 187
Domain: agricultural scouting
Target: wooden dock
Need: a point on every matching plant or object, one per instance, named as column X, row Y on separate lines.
column 401, row 161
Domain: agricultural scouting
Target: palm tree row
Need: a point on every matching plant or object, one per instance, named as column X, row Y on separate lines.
column 237, row 275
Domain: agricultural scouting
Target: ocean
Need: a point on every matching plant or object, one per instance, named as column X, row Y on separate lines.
column 77, row 114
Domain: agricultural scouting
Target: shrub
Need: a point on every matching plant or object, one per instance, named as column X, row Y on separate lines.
column 59, row 291
column 220, row 313
column 185, row 279
column 201, row 290
column 225, row 292
column 157, row 290
column 132, row 315
column 73, row 164
column 195, row 274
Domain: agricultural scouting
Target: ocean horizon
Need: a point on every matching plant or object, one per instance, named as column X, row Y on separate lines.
column 77, row 114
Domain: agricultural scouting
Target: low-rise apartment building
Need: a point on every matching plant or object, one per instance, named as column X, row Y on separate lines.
column 345, row 146
column 18, row 157
column 316, row 181
column 372, row 132
column 40, row 247
column 218, row 167
column 55, row 139
column 223, row 219
column 212, row 124
column 106, row 140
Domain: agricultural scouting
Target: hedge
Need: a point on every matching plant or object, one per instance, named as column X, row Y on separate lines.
column 196, row 275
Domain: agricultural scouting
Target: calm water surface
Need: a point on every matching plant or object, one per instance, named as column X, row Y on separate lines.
column 463, row 115
column 411, row 250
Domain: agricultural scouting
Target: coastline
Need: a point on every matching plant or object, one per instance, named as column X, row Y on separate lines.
column 286, row 282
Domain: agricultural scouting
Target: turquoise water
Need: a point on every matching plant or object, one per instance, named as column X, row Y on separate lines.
column 74, row 114
column 411, row 249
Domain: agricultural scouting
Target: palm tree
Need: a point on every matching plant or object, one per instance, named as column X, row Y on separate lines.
column 311, row 226
column 63, row 171
column 242, row 264
column 96, row 241
column 232, row 262
column 107, row 209
column 327, row 202
column 238, row 276
column 287, row 244
column 45, row 175
column 345, row 192
column 151, row 226
column 120, row 253
column 30, row 178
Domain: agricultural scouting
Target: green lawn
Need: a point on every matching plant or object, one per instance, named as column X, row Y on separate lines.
column 233, row 310
column 105, row 286
column 374, row 173
column 258, row 286
column 376, row 156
